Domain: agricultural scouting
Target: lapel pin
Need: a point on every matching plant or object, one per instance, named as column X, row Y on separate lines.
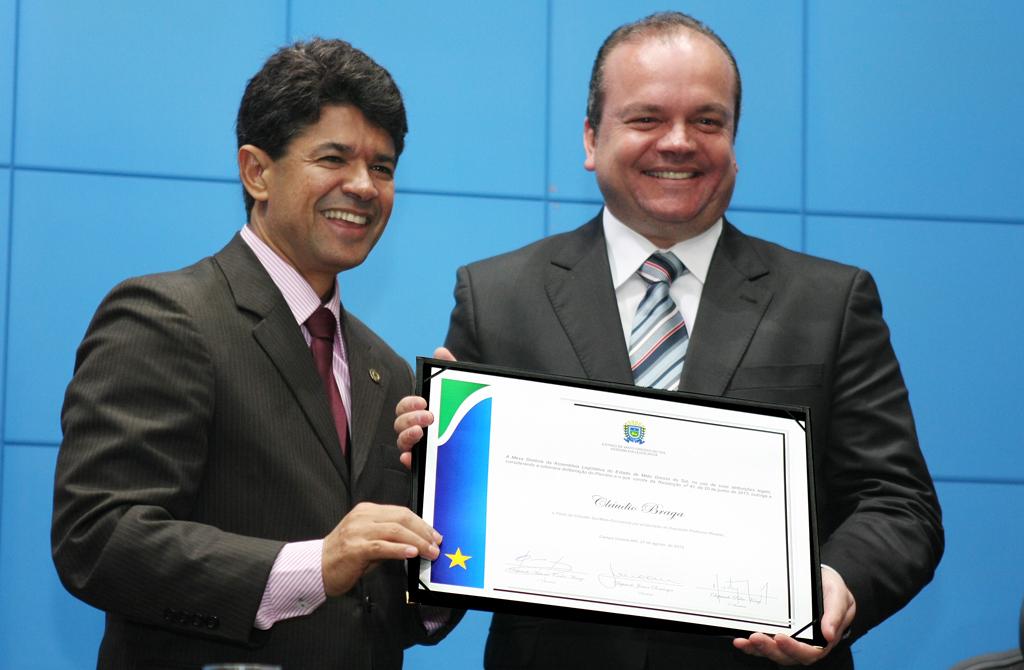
column 374, row 375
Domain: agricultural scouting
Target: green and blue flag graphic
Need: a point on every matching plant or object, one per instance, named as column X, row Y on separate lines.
column 460, row 498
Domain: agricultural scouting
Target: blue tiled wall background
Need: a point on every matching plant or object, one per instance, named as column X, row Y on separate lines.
column 882, row 134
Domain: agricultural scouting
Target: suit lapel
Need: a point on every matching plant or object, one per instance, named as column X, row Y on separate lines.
column 732, row 305
column 279, row 336
column 578, row 283
column 368, row 389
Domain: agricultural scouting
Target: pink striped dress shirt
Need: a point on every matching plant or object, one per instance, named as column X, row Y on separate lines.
column 296, row 585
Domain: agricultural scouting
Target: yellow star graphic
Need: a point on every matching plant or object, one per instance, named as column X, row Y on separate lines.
column 458, row 558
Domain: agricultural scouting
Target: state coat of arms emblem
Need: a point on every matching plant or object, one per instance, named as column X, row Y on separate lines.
column 634, row 432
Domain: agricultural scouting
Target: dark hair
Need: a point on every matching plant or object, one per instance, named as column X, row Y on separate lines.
column 661, row 23
column 297, row 82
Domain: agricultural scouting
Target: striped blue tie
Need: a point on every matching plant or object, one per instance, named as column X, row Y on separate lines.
column 657, row 344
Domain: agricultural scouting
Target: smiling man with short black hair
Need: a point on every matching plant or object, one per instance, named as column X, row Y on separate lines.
column 228, row 488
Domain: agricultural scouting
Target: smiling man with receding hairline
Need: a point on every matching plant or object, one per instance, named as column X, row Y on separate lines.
column 732, row 316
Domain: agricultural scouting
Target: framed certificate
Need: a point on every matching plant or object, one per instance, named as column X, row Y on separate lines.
column 565, row 497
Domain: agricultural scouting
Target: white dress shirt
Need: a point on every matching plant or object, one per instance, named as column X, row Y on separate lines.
column 627, row 251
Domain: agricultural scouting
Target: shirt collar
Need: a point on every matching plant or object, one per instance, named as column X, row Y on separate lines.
column 302, row 299
column 628, row 249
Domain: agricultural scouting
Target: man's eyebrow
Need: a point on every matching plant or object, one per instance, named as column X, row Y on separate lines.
column 717, row 108
column 640, row 108
column 337, row 147
column 645, row 108
column 346, row 150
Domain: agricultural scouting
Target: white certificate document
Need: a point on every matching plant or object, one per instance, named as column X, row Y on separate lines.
column 563, row 497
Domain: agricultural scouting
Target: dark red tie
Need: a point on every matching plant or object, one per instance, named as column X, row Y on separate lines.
column 321, row 326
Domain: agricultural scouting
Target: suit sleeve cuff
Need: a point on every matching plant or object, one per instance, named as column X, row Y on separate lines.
column 295, row 586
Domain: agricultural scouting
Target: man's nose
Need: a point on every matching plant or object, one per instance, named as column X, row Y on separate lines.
column 359, row 183
column 677, row 138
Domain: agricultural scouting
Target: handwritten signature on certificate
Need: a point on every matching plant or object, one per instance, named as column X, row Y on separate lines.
column 619, row 578
column 541, row 566
column 739, row 592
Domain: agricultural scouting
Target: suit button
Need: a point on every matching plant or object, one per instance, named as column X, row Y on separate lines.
column 197, row 620
column 169, row 614
column 183, row 617
column 367, row 604
column 212, row 622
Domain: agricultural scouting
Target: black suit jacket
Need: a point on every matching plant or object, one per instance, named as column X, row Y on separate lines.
column 198, row 440
column 774, row 326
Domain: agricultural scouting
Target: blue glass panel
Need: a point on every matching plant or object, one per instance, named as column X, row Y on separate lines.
column 915, row 108
column 784, row 229
column 472, row 75
column 7, row 40
column 5, row 200
column 954, row 326
column 973, row 605
column 139, row 87
column 566, row 216
column 404, row 289
column 74, row 237
column 41, row 624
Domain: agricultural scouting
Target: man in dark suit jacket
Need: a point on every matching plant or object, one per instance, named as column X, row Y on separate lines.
column 763, row 323
column 217, row 494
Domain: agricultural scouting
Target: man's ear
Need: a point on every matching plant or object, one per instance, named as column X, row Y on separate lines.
column 252, row 166
column 589, row 144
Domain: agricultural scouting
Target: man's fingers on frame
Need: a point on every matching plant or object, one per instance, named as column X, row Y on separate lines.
column 398, row 522
column 382, row 550
column 410, row 403
column 418, row 418
column 408, row 437
column 443, row 354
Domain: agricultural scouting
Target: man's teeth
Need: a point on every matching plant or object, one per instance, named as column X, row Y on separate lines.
column 671, row 174
column 345, row 216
